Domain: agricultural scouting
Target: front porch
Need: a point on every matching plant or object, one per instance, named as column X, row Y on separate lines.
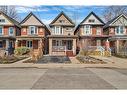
column 7, row 46
column 64, row 47
column 35, row 45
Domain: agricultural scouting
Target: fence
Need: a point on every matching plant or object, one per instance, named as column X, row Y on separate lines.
column 121, row 51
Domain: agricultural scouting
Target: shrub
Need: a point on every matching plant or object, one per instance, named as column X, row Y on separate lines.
column 21, row 50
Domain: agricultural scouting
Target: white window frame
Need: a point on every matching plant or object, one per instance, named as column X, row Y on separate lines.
column 57, row 30
column 119, row 33
column 9, row 31
column 2, row 30
column 89, row 30
column 35, row 30
column 98, row 32
column 28, row 42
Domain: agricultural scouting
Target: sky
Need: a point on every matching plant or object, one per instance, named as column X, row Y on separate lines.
column 47, row 13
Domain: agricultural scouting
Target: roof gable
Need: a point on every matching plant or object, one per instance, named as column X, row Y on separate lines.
column 121, row 20
column 31, row 19
column 8, row 20
column 62, row 17
column 92, row 16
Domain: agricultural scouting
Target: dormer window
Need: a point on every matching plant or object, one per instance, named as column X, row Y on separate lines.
column 2, row 20
column 119, row 30
column 61, row 21
column 91, row 20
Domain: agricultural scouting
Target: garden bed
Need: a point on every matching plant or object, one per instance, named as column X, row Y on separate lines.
column 89, row 60
column 10, row 59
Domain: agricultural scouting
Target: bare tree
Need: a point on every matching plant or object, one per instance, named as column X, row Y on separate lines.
column 113, row 11
column 10, row 11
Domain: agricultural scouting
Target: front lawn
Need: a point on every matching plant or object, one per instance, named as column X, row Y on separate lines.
column 10, row 59
column 89, row 60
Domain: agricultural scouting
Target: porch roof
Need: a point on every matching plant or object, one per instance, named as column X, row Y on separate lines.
column 119, row 37
column 95, row 36
column 7, row 37
column 29, row 37
column 62, row 36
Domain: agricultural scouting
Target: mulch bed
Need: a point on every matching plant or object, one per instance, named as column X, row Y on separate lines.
column 10, row 59
column 89, row 60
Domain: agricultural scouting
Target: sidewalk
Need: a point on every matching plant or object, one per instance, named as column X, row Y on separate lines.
column 112, row 62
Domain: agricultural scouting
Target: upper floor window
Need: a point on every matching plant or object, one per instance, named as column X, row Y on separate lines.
column 61, row 21
column 119, row 30
column 57, row 30
column 32, row 30
column 87, row 30
column 69, row 29
column 11, row 30
column 2, row 20
column 98, row 32
column 1, row 30
column 91, row 20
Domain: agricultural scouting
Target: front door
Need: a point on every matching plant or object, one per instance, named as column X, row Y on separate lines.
column 69, row 51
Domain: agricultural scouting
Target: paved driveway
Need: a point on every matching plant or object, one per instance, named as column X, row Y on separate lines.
column 63, row 78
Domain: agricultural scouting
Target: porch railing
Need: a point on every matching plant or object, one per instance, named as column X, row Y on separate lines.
column 59, row 48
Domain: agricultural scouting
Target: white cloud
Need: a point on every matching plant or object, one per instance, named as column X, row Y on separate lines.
column 46, row 21
column 25, row 9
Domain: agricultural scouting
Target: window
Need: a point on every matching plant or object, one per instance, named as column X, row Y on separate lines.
column 91, row 20
column 32, row 30
column 11, row 30
column 87, row 29
column 2, row 20
column 69, row 45
column 29, row 44
column 69, row 29
column 98, row 32
column 1, row 44
column 57, row 30
column 119, row 30
column 61, row 21
column 1, row 30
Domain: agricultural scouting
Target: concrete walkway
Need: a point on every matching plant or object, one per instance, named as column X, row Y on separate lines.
column 112, row 62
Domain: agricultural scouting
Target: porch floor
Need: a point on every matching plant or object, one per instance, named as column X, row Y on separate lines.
column 54, row 59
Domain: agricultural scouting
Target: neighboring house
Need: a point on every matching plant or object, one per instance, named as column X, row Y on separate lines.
column 62, row 40
column 90, row 32
column 33, row 34
column 9, row 28
column 117, row 30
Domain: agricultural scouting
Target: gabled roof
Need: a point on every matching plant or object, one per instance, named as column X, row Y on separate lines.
column 62, row 13
column 92, row 13
column 11, row 19
column 28, row 16
column 113, row 20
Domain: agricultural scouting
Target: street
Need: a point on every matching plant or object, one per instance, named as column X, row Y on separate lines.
column 63, row 78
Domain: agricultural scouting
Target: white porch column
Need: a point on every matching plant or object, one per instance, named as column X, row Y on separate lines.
column 117, row 46
column 16, row 44
column 74, row 46
column 50, row 46
column 7, row 46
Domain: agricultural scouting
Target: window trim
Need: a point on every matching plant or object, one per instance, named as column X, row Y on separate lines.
column 98, row 31
column 28, row 42
column 89, row 32
column 119, row 32
column 9, row 31
column 57, row 32
column 2, row 30
column 35, row 30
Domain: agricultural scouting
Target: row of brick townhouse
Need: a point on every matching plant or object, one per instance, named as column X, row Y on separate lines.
column 62, row 37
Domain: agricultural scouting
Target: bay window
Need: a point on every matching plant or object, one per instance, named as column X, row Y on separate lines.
column 87, row 30
column 32, row 30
